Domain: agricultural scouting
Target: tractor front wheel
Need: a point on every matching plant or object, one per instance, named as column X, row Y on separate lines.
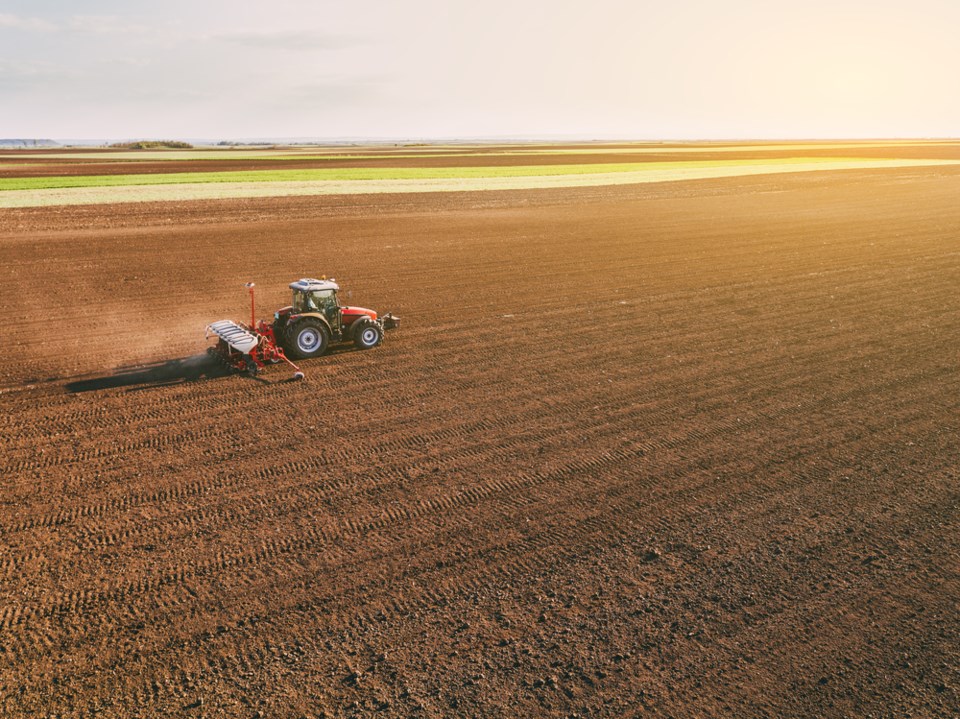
column 367, row 335
column 308, row 338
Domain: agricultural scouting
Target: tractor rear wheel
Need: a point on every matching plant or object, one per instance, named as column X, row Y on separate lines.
column 308, row 338
column 367, row 335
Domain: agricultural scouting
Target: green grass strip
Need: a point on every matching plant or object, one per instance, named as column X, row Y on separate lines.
column 670, row 172
column 385, row 173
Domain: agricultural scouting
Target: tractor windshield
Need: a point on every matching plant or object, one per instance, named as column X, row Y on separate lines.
column 316, row 301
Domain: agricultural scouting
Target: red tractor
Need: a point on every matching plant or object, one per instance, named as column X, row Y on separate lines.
column 304, row 329
column 316, row 319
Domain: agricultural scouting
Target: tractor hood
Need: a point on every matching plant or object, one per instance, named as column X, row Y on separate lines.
column 350, row 314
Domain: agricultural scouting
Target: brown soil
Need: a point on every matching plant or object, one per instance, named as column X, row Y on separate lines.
column 684, row 450
column 49, row 166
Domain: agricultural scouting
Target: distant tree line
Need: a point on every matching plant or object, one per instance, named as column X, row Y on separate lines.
column 152, row 145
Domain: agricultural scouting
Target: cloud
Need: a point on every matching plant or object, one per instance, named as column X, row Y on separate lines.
column 290, row 40
column 81, row 24
column 18, row 22
column 30, row 74
column 329, row 92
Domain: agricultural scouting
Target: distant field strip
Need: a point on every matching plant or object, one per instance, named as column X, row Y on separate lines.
column 394, row 173
column 100, row 189
column 506, row 150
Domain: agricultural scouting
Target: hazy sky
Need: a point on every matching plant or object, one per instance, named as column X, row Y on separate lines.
column 445, row 68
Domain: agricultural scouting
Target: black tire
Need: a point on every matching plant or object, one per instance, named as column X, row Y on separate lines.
column 367, row 335
column 307, row 338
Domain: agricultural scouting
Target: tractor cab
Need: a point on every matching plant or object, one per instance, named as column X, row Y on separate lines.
column 317, row 296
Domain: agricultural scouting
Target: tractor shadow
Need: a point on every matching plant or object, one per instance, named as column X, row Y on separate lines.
column 195, row 368
column 158, row 374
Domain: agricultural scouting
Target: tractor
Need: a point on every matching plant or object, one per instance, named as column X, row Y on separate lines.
column 304, row 329
column 316, row 319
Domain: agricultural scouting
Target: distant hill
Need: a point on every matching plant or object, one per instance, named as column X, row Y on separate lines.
column 28, row 143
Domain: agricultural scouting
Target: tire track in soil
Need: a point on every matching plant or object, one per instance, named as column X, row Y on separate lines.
column 316, row 463
column 440, row 598
column 80, row 601
column 203, row 516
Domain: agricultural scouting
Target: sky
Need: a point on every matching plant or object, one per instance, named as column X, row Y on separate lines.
column 435, row 69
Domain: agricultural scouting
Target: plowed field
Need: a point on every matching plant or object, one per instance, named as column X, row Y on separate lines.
column 681, row 450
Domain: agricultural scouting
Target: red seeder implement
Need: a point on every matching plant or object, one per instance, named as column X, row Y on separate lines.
column 248, row 348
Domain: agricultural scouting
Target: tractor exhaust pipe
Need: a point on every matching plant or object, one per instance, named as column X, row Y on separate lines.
column 253, row 307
